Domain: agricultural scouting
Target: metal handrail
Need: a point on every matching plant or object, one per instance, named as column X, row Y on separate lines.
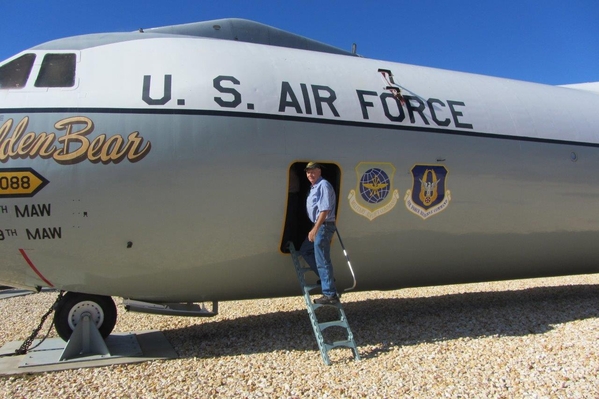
column 348, row 262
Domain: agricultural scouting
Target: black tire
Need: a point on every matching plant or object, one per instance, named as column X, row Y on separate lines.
column 69, row 310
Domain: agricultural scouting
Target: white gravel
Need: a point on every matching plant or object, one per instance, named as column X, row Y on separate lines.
column 519, row 339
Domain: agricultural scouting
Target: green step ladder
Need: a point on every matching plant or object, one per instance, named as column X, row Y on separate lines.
column 318, row 327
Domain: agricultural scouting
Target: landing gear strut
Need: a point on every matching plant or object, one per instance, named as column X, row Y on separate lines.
column 74, row 306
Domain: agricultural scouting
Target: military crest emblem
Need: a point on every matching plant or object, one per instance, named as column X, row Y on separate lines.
column 429, row 194
column 374, row 195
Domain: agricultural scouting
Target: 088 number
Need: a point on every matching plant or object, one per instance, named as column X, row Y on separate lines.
column 15, row 183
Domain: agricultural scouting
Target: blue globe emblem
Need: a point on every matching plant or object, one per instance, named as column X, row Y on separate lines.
column 374, row 185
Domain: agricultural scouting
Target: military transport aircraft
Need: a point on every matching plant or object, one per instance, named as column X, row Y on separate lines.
column 161, row 166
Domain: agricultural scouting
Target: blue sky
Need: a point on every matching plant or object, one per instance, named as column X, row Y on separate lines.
column 545, row 41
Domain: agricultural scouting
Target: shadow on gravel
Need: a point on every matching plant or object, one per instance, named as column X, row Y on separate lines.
column 390, row 323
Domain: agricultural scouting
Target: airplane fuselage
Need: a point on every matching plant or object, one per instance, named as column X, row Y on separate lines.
column 162, row 172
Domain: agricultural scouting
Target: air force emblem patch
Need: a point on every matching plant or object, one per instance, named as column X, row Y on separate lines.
column 374, row 195
column 429, row 194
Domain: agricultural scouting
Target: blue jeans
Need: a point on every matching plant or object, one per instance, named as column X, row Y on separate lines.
column 317, row 255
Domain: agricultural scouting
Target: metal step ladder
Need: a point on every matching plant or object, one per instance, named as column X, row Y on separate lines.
column 317, row 326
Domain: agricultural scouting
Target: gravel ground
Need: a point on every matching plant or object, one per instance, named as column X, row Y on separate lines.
column 518, row 339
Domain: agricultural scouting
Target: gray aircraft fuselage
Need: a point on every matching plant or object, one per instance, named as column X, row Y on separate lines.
column 159, row 169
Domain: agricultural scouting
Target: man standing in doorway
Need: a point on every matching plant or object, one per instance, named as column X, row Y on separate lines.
column 316, row 249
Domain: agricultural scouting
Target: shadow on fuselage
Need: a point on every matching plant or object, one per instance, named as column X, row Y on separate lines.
column 414, row 320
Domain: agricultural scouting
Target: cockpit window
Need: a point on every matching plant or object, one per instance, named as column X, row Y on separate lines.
column 14, row 74
column 57, row 70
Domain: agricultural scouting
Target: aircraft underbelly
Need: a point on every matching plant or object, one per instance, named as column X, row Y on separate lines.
column 200, row 217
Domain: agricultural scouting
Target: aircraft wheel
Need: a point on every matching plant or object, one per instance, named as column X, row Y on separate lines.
column 74, row 306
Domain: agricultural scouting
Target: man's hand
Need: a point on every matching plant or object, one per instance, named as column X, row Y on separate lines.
column 312, row 234
column 321, row 218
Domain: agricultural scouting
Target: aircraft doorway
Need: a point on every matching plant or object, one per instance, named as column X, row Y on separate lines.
column 297, row 223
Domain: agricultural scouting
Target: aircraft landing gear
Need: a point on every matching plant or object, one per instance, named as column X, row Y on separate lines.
column 74, row 306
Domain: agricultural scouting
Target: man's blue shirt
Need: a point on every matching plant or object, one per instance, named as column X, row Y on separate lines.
column 321, row 198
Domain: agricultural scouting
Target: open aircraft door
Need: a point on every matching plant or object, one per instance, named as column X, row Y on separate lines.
column 297, row 225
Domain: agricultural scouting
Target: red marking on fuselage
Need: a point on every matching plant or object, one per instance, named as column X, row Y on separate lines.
column 32, row 266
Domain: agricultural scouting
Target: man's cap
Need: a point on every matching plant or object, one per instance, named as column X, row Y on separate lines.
column 313, row 165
